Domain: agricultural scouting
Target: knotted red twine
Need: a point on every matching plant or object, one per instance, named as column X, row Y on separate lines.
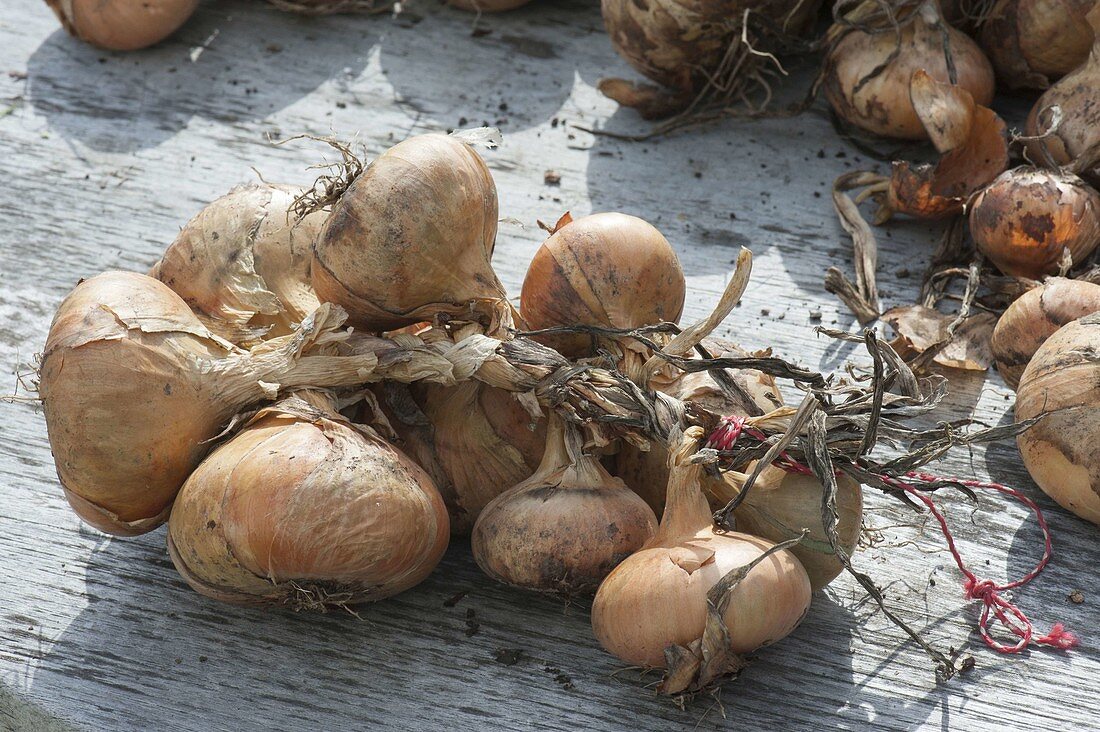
column 988, row 592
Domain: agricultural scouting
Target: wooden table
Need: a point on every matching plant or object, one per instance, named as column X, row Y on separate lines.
column 105, row 155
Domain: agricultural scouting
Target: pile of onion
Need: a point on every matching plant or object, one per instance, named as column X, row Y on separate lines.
column 303, row 508
column 122, row 25
column 867, row 72
column 656, row 600
column 566, row 527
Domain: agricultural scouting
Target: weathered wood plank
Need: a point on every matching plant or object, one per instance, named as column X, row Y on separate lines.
column 104, row 160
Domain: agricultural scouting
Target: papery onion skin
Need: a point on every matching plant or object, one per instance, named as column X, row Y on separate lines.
column 134, row 387
column 678, row 43
column 564, row 528
column 243, row 263
column 411, row 237
column 607, row 269
column 1062, row 450
column 303, row 509
column 1034, row 42
column 122, row 25
column 1035, row 316
column 1025, row 218
column 882, row 105
column 474, row 440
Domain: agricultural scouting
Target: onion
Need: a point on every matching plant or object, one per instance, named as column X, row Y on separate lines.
column 1075, row 137
column 134, row 387
column 474, row 440
column 303, row 508
column 609, row 270
column 658, row 597
column 412, row 238
column 487, row 6
column 869, row 89
column 1034, row 42
column 646, row 472
column 1061, row 384
column 122, row 25
column 682, row 44
column 564, row 528
column 1027, row 216
column 1035, row 316
column 781, row 504
column 242, row 264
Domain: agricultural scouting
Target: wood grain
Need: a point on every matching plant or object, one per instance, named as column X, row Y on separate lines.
column 105, row 155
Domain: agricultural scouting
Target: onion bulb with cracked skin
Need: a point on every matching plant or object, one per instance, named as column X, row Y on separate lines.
column 657, row 598
column 487, row 6
column 1034, row 42
column 868, row 89
column 1028, row 217
column 134, row 387
column 609, row 270
column 242, row 263
column 305, row 509
column 566, row 527
column 412, row 237
column 781, row 504
column 475, row 441
column 1061, row 385
column 1035, row 316
column 1077, row 135
column 122, row 25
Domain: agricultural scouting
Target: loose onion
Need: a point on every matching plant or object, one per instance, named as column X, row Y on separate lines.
column 303, row 508
column 1026, row 217
column 474, row 440
column 1035, row 316
column 122, row 25
column 607, row 269
column 1034, row 42
column 1061, row 384
column 242, row 264
column 657, row 598
column 412, row 238
column 868, row 86
column 134, row 387
column 566, row 527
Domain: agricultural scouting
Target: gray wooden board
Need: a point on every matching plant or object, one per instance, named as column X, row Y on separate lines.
column 104, row 156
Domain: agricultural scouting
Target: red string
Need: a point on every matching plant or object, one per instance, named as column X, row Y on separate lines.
column 988, row 592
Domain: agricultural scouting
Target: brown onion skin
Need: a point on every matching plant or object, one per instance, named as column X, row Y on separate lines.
column 475, row 441
column 303, row 509
column 411, row 237
column 608, row 269
column 487, row 6
column 1062, row 450
column 676, row 42
column 122, row 25
column 882, row 106
column 1034, row 42
column 1025, row 218
column 1035, row 316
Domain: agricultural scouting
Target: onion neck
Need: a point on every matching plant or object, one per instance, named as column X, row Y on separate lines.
column 687, row 511
column 565, row 462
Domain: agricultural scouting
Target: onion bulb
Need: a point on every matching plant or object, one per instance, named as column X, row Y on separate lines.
column 1035, row 316
column 781, row 504
column 242, row 264
column 122, row 25
column 303, row 508
column 1026, row 218
column 868, row 86
column 566, row 527
column 609, row 270
column 475, row 441
column 412, row 237
column 1077, row 134
column 134, row 387
column 657, row 597
column 1061, row 384
column 1034, row 42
